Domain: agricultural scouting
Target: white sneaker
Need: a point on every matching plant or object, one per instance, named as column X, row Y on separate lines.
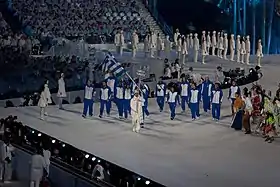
column 46, row 114
column 193, row 119
column 41, row 118
column 197, row 117
column 213, row 119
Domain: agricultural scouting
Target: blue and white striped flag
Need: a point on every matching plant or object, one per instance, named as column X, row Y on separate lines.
column 111, row 64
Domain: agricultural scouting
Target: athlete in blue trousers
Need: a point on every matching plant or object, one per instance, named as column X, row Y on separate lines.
column 127, row 97
column 119, row 98
column 160, row 94
column 231, row 94
column 216, row 100
column 145, row 95
column 105, row 99
column 171, row 99
column 89, row 99
column 206, row 88
column 194, row 99
column 111, row 83
column 184, row 89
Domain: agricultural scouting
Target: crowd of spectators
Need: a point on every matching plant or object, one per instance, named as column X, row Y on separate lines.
column 30, row 74
column 77, row 18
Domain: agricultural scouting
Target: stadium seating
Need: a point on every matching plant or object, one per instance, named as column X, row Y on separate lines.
column 77, row 18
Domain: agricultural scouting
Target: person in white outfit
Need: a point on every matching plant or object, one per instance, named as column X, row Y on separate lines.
column 184, row 49
column 48, row 94
column 153, row 44
column 61, row 93
column 203, row 36
column 203, row 49
column 232, row 47
column 7, row 153
column 175, row 38
column 43, row 103
column 136, row 111
column 208, row 42
column 159, row 46
column 248, row 50
column 214, row 43
column 119, row 42
column 259, row 52
column 37, row 168
column 134, row 43
column 221, row 46
column 195, row 47
column 243, row 50
column 167, row 47
column 191, row 41
column 225, row 46
column 238, row 48
column 179, row 47
column 147, row 47
column 47, row 156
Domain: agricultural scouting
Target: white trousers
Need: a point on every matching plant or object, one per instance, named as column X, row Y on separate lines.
column 259, row 61
column 133, row 52
column 225, row 53
column 42, row 112
column 238, row 55
column 135, row 123
column 60, row 99
column 195, row 55
column 203, row 59
column 35, row 183
column 247, row 58
column 242, row 58
column 213, row 51
column 208, row 50
column 119, row 50
column 232, row 54
column 152, row 52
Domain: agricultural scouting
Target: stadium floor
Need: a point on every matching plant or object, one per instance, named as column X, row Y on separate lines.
column 175, row 153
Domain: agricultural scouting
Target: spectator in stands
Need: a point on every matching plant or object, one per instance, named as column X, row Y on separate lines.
column 37, row 168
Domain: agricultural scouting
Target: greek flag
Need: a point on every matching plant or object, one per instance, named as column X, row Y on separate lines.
column 111, row 64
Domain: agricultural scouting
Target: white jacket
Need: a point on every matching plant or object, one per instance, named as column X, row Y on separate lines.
column 196, row 44
column 48, row 94
column 37, row 167
column 136, row 107
column 134, row 41
column 185, row 48
column 43, row 101
column 167, row 45
column 147, row 44
column 259, row 50
column 159, row 44
column 61, row 88
column 232, row 44
column 214, row 41
column 204, row 48
column 208, row 41
column 153, row 41
column 119, row 39
column 221, row 43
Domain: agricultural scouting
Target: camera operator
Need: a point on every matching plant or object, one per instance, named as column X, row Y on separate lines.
column 219, row 75
column 37, row 169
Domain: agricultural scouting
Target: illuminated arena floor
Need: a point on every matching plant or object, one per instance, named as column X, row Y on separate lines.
column 178, row 153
